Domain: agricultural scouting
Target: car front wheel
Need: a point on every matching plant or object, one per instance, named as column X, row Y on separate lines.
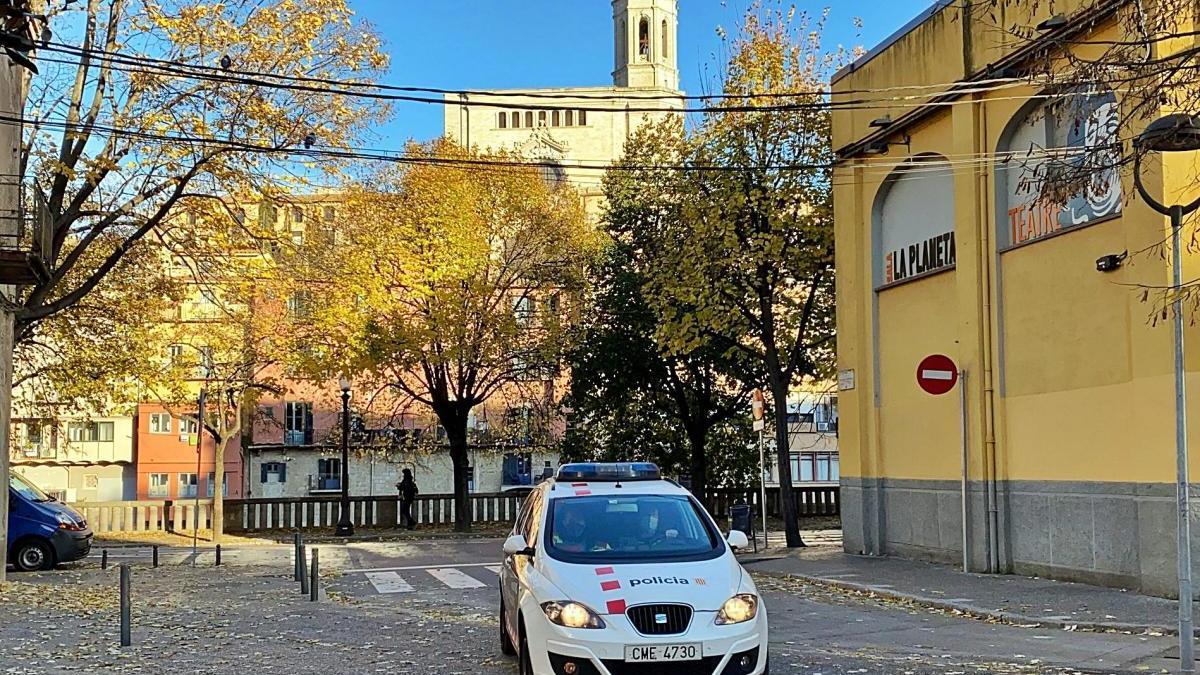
column 526, row 663
column 33, row 555
column 506, row 645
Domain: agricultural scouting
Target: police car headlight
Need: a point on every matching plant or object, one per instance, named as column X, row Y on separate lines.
column 738, row 609
column 572, row 615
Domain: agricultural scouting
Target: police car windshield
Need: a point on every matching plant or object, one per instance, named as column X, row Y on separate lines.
column 637, row 528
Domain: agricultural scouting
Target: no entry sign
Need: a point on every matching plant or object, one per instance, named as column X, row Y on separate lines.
column 937, row 374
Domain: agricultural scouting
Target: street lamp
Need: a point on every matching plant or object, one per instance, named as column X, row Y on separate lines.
column 1176, row 133
column 345, row 526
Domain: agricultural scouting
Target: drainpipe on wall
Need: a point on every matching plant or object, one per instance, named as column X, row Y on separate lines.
column 988, row 380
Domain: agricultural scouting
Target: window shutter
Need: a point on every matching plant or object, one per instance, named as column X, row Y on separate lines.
column 308, row 424
column 282, row 472
column 263, row 478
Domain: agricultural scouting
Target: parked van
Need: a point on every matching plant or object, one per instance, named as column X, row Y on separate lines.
column 42, row 531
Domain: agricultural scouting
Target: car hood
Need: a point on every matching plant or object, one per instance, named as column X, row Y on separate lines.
column 705, row 585
column 55, row 507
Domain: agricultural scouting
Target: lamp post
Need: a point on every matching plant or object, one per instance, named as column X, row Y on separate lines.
column 345, row 526
column 1176, row 133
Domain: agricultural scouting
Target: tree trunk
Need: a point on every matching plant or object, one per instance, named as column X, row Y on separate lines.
column 697, row 434
column 791, row 523
column 218, row 506
column 453, row 417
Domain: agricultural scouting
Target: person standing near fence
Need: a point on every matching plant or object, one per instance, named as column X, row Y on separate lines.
column 408, row 494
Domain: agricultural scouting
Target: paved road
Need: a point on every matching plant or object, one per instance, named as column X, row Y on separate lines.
column 814, row 629
column 430, row 607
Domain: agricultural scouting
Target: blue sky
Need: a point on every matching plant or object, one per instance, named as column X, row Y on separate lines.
column 494, row 44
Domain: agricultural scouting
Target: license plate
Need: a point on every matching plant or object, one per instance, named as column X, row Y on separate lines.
column 660, row 653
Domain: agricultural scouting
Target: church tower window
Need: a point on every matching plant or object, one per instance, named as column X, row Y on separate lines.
column 666, row 52
column 503, row 120
column 644, row 39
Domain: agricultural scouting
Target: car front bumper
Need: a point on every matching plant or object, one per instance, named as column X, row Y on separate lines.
column 602, row 651
column 70, row 545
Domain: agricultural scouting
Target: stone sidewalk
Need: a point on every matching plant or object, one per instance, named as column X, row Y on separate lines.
column 1012, row 599
column 231, row 619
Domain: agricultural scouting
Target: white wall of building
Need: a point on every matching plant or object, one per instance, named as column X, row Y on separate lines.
column 377, row 474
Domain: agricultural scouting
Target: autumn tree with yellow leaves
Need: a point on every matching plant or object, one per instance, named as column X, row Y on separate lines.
column 451, row 281
column 154, row 104
column 734, row 216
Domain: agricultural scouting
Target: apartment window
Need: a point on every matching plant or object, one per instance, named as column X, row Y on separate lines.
column 529, row 118
column 239, row 215
column 503, row 120
column 556, row 119
column 329, row 474
column 90, row 432
column 267, row 215
column 328, row 213
column 297, row 237
column 187, row 485
column 211, row 482
column 816, row 467
column 299, row 305
column 160, row 423
column 570, row 118
column 204, row 369
column 160, row 485
column 297, row 215
column 175, row 354
column 273, row 472
column 523, row 309
column 187, row 426
column 297, row 423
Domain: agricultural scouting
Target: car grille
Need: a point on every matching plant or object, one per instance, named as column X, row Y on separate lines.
column 702, row 667
column 660, row 619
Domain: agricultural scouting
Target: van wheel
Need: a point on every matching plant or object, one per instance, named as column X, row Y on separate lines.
column 33, row 555
column 506, row 645
column 525, row 664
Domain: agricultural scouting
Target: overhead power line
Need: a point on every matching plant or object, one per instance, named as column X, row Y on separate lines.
column 631, row 95
column 147, row 65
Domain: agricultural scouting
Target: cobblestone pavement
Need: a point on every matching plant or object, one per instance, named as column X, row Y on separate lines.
column 249, row 616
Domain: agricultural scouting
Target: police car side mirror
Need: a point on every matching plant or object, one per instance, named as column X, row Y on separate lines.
column 737, row 539
column 516, row 545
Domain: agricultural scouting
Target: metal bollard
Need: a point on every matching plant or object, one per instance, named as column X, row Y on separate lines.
column 126, row 606
column 303, row 571
column 314, row 583
column 299, row 556
column 218, row 555
column 103, row 558
column 155, row 555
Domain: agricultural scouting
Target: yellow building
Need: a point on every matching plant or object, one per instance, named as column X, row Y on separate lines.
column 943, row 247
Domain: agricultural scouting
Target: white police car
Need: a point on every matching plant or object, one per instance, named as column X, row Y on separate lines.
column 611, row 570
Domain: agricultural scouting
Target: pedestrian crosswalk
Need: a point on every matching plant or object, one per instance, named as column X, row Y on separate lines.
column 389, row 582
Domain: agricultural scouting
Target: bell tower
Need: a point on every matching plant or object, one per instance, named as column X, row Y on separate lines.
column 646, row 49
